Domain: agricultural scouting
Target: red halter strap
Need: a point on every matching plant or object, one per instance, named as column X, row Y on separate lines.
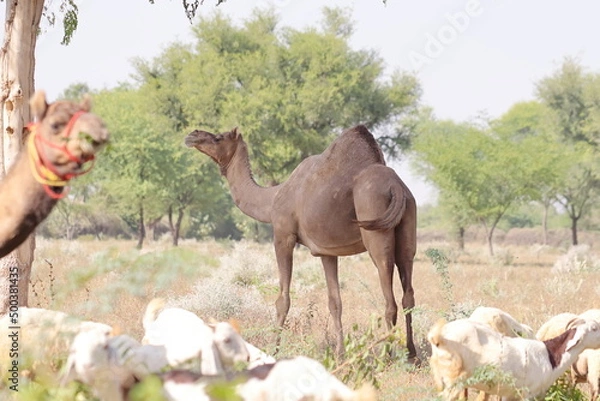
column 67, row 132
column 46, row 172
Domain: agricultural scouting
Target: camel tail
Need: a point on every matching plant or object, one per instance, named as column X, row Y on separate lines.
column 392, row 216
column 152, row 310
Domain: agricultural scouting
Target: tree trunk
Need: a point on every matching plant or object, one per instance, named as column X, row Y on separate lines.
column 17, row 60
column 545, row 224
column 175, row 228
column 151, row 228
column 574, row 230
column 141, row 228
column 489, row 233
column 459, row 235
column 490, row 242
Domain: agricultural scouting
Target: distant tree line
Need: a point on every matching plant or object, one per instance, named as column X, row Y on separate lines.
column 291, row 92
column 544, row 151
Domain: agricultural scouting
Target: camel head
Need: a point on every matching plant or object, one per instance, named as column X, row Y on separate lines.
column 220, row 147
column 66, row 134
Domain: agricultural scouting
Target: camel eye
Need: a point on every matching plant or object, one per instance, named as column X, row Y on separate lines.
column 55, row 126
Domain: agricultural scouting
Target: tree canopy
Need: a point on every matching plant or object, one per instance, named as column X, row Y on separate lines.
column 289, row 91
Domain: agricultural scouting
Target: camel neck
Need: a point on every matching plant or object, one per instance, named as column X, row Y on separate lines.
column 21, row 216
column 252, row 199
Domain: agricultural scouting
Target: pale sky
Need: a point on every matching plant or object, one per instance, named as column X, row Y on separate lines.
column 471, row 56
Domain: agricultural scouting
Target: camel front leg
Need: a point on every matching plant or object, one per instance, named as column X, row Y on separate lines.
column 330, row 265
column 284, row 249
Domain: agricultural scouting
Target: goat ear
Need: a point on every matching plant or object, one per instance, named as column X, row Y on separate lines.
column 235, row 324
column 86, row 103
column 68, row 372
column 573, row 323
column 38, row 105
column 212, row 323
column 115, row 331
column 576, row 339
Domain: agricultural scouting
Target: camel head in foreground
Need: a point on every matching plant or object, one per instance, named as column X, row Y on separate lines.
column 341, row 202
column 66, row 134
column 61, row 145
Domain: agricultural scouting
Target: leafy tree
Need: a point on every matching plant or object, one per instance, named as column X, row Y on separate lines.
column 290, row 91
column 22, row 24
column 572, row 94
column 476, row 169
column 525, row 124
column 192, row 186
column 135, row 168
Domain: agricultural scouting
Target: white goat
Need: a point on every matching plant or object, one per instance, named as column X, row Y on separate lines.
column 587, row 367
column 111, row 365
column 501, row 321
column 187, row 338
column 140, row 360
column 93, row 362
column 47, row 334
column 295, row 379
column 555, row 326
column 460, row 347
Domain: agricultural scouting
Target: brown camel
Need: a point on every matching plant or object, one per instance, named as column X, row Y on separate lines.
column 59, row 146
column 342, row 202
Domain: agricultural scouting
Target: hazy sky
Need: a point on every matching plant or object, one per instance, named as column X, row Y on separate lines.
column 471, row 56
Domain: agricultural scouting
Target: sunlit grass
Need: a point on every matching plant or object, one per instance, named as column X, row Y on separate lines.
column 111, row 282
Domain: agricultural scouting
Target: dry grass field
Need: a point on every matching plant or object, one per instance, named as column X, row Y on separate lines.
column 111, row 282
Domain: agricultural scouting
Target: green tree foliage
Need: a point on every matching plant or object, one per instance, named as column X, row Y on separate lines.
column 137, row 164
column 289, row 91
column 478, row 170
column 572, row 94
column 191, row 184
column 525, row 124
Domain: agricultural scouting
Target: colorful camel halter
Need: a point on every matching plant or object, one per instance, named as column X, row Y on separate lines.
column 43, row 170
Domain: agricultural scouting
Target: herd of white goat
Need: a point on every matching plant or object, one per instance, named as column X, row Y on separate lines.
column 526, row 364
column 191, row 356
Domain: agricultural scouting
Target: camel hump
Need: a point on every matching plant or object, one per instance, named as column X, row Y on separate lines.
column 357, row 145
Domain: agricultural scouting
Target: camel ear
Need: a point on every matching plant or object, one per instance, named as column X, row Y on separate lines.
column 86, row 103
column 235, row 133
column 38, row 105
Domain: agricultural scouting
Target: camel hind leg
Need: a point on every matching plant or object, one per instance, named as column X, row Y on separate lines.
column 383, row 201
column 380, row 246
column 406, row 247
